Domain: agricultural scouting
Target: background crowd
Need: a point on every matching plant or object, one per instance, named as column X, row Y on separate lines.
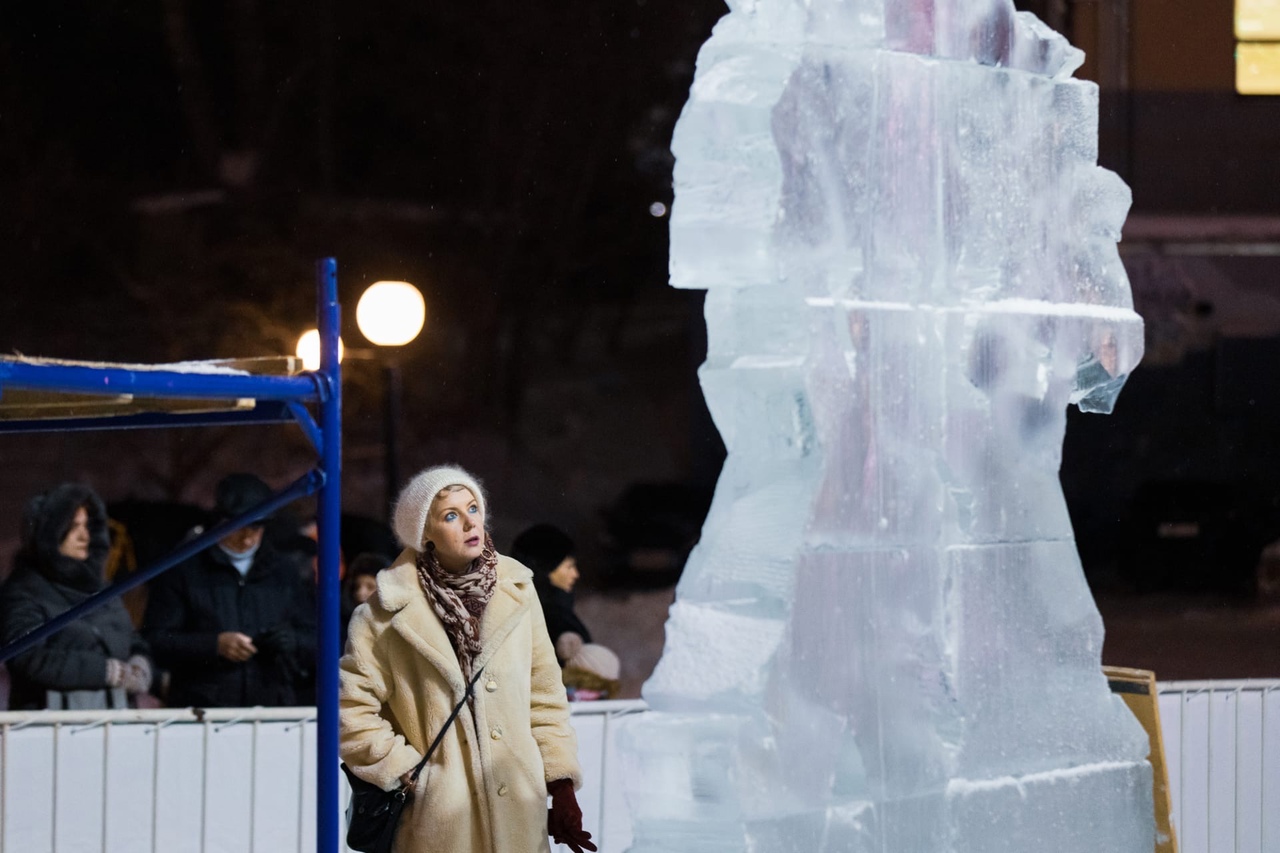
column 234, row 626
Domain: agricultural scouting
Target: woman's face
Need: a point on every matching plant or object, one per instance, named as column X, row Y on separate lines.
column 76, row 543
column 366, row 585
column 565, row 575
column 455, row 525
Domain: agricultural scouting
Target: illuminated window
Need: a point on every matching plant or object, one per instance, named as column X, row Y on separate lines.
column 1258, row 20
column 1258, row 47
column 1258, row 68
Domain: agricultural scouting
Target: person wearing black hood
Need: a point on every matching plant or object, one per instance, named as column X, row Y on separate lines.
column 234, row 625
column 99, row 660
column 590, row 671
column 548, row 551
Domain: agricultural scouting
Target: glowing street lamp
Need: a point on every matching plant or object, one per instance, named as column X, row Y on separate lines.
column 391, row 314
column 308, row 349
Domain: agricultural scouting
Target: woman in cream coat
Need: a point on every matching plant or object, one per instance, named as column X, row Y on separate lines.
column 450, row 607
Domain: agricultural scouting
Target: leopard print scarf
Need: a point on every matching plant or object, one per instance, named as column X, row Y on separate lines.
column 459, row 600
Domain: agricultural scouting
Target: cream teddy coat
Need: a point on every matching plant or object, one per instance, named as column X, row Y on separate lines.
column 485, row 788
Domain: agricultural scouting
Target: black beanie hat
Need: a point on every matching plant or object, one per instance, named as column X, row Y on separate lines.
column 238, row 493
column 368, row 563
column 542, row 547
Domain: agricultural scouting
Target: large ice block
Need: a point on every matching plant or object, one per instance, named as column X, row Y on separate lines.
column 884, row 641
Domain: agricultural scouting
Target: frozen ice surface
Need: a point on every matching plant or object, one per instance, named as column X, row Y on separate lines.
column 884, row 641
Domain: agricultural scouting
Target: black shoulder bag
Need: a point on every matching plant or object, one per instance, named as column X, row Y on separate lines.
column 373, row 813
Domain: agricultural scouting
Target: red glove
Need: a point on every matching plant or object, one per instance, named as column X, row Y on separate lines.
column 564, row 818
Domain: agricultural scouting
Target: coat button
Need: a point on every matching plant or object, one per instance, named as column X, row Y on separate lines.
column 496, row 734
column 502, row 790
column 491, row 686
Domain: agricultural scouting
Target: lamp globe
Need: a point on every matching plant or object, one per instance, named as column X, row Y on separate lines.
column 391, row 313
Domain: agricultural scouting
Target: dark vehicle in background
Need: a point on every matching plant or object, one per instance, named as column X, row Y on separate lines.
column 650, row 530
column 1196, row 536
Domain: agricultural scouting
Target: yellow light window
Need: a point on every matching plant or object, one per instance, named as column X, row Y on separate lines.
column 1258, row 20
column 1258, row 68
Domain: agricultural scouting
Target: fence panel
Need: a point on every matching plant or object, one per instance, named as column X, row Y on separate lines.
column 1270, row 788
column 1222, row 747
column 277, row 777
column 79, row 769
column 1171, row 726
column 228, row 788
column 1191, row 812
column 28, row 779
column 130, row 787
column 178, row 807
column 307, row 786
column 244, row 780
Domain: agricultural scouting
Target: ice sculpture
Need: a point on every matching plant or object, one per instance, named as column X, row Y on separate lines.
column 884, row 641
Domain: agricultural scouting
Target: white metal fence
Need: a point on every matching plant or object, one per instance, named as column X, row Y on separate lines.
column 135, row 781
column 243, row 780
column 225, row 781
column 1222, row 743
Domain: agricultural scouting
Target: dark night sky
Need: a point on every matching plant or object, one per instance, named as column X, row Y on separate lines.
column 170, row 169
column 506, row 148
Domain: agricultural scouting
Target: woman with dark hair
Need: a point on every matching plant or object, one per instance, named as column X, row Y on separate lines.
column 454, row 624
column 99, row 660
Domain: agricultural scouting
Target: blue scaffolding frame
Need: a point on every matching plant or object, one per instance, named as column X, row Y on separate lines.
column 278, row 399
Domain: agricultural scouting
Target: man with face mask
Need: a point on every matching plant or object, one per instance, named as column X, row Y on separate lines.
column 234, row 625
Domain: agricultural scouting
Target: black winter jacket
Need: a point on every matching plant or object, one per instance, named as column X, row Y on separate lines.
column 68, row 670
column 194, row 602
column 557, row 609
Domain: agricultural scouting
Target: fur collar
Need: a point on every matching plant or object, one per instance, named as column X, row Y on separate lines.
column 400, row 595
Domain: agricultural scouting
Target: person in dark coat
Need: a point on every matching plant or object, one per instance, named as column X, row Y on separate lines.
column 99, row 660
column 548, row 551
column 590, row 671
column 235, row 625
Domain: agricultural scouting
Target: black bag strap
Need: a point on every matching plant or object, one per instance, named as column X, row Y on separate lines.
column 444, row 730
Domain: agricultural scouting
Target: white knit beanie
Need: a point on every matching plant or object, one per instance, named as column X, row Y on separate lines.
column 415, row 500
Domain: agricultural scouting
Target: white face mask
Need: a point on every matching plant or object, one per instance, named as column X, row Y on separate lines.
column 241, row 560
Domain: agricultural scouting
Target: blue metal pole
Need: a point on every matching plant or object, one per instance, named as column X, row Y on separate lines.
column 155, row 383
column 329, row 322
column 305, row 485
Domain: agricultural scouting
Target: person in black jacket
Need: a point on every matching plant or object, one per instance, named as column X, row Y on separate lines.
column 235, row 625
column 548, row 551
column 590, row 671
column 99, row 660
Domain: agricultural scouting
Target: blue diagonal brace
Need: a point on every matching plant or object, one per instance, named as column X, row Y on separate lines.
column 302, row 417
column 309, row 483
